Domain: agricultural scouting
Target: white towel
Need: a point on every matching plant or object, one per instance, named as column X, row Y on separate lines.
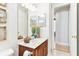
column 27, row 53
column 6, row 52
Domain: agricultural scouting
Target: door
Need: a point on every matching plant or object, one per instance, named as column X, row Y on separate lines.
column 72, row 29
column 62, row 29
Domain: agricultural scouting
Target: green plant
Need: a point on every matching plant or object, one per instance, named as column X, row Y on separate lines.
column 33, row 30
column 38, row 30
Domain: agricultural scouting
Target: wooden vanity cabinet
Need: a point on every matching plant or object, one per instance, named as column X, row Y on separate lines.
column 41, row 50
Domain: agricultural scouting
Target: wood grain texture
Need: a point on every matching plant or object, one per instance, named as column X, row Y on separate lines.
column 41, row 50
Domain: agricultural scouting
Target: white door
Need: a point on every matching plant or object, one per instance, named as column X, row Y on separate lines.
column 61, row 34
column 62, row 28
column 72, row 29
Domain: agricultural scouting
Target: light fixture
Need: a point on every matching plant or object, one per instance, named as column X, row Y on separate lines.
column 31, row 7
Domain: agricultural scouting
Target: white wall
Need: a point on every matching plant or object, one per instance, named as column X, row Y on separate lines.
column 51, row 31
column 73, row 29
column 11, row 41
column 22, row 20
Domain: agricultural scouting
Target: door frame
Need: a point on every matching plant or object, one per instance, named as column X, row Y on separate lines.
column 72, row 28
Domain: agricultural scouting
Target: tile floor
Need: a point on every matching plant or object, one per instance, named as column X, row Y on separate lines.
column 59, row 53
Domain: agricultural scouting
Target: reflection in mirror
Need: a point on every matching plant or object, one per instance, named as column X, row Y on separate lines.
column 31, row 23
column 22, row 21
column 37, row 23
column 3, row 18
column 42, row 20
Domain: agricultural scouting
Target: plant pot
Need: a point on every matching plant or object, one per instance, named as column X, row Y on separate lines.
column 38, row 35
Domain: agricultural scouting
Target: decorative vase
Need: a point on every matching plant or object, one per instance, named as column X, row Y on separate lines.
column 20, row 37
column 27, row 39
column 38, row 35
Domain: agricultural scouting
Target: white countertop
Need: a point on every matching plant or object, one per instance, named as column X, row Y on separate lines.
column 34, row 43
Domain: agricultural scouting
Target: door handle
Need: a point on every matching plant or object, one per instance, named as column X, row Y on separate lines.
column 75, row 36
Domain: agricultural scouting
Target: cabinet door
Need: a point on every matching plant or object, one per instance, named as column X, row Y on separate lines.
column 45, row 51
column 21, row 50
column 45, row 48
column 40, row 51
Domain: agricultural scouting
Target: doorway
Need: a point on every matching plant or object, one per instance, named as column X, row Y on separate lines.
column 61, row 29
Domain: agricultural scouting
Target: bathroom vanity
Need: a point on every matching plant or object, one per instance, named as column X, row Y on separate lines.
column 38, row 47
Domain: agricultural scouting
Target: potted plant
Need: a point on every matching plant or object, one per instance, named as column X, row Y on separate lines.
column 33, row 31
column 38, row 31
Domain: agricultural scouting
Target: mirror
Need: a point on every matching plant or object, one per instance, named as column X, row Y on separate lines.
column 30, row 21
column 22, row 21
column 37, row 23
